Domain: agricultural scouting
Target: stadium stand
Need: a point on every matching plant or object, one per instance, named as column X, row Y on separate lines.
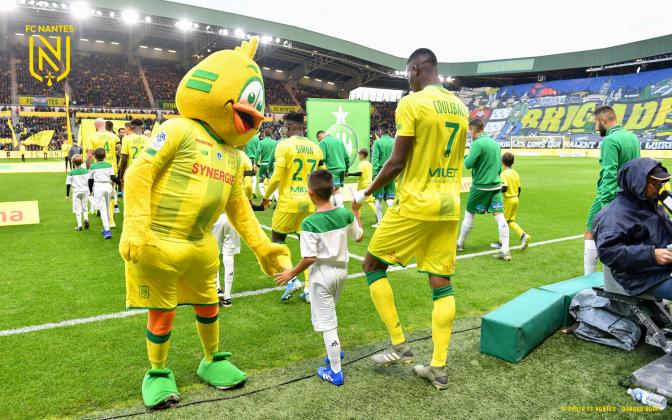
column 29, row 125
column 277, row 93
column 384, row 113
column 26, row 84
column 5, row 80
column 163, row 78
column 304, row 92
column 106, row 80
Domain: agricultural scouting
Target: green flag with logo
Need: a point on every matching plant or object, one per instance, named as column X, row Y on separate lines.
column 348, row 121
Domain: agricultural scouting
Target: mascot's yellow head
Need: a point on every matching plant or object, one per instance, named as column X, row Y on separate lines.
column 226, row 91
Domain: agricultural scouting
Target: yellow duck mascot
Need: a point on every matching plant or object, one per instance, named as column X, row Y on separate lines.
column 184, row 179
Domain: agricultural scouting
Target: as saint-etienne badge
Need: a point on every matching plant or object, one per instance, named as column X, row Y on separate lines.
column 345, row 133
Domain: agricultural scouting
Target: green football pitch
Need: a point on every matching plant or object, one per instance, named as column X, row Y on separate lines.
column 92, row 365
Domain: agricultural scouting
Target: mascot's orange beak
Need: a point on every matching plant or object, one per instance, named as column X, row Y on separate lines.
column 246, row 117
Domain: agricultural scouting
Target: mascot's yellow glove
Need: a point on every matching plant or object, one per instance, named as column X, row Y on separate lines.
column 268, row 254
column 137, row 192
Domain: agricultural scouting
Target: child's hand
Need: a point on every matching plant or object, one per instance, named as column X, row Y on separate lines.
column 284, row 277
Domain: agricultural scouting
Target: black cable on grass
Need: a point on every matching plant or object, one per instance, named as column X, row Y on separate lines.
column 256, row 391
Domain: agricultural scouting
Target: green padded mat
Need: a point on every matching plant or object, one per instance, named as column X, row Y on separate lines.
column 514, row 329
column 571, row 287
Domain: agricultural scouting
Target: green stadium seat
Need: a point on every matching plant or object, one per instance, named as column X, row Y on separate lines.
column 513, row 330
column 571, row 287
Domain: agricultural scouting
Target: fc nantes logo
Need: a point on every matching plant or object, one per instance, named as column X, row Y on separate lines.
column 49, row 52
column 345, row 133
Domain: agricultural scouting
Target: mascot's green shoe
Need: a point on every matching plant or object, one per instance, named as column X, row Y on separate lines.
column 221, row 373
column 159, row 389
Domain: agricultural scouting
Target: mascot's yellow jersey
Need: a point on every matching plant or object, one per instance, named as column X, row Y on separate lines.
column 248, row 173
column 428, row 188
column 104, row 140
column 295, row 159
column 132, row 145
column 199, row 173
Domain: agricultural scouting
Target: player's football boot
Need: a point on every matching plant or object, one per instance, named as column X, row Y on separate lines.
column 328, row 375
column 525, row 241
column 435, row 375
column 221, row 373
column 375, row 225
column 504, row 256
column 220, row 297
column 305, row 296
column 86, row 224
column 328, row 363
column 397, row 354
column 292, row 287
column 107, row 234
column 460, row 246
column 159, row 389
column 78, row 228
column 227, row 303
column 496, row 245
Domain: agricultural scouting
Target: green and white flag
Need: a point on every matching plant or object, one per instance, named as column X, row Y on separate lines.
column 348, row 121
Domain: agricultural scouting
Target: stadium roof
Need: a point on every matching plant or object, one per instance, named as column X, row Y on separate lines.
column 333, row 56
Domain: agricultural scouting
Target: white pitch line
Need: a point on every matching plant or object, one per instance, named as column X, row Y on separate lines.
column 116, row 315
column 125, row 314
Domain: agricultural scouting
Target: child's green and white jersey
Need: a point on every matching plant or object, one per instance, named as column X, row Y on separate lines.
column 78, row 179
column 101, row 172
column 324, row 235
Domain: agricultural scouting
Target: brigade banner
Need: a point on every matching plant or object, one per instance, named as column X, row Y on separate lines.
column 348, row 121
column 536, row 142
column 642, row 102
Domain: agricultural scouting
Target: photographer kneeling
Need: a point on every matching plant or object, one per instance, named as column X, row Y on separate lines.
column 633, row 232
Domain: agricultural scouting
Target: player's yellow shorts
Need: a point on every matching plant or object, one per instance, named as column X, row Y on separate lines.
column 177, row 273
column 433, row 243
column 510, row 208
column 286, row 223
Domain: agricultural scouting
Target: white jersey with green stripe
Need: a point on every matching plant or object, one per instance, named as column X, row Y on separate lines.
column 101, row 172
column 324, row 235
column 78, row 179
column 199, row 174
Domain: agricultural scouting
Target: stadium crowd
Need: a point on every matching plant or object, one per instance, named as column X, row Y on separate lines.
column 106, row 80
column 5, row 80
column 163, row 78
column 301, row 93
column 277, row 93
column 26, row 84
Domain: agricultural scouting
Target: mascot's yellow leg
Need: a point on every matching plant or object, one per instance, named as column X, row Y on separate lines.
column 207, row 324
column 159, row 326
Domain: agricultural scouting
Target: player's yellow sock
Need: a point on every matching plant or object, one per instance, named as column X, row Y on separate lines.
column 207, row 324
column 516, row 228
column 159, row 325
column 442, row 323
column 383, row 299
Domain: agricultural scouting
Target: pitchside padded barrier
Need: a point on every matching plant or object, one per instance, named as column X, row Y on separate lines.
column 514, row 329
column 571, row 287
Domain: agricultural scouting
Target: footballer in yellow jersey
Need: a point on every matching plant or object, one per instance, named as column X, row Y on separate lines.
column 427, row 160
column 132, row 144
column 365, row 177
column 511, row 189
column 102, row 139
column 295, row 158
